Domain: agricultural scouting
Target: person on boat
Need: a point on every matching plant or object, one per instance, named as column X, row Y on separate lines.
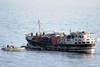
column 8, row 46
column 12, row 46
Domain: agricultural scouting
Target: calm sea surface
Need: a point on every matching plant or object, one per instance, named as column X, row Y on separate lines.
column 18, row 18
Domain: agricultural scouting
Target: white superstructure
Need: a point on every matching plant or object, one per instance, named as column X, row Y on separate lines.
column 78, row 38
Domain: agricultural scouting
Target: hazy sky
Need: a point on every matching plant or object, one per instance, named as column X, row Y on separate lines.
column 54, row 9
column 69, row 12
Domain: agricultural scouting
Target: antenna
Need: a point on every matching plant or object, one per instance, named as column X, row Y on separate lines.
column 70, row 30
column 87, row 26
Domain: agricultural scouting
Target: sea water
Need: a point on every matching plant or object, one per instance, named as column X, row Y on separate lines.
column 19, row 17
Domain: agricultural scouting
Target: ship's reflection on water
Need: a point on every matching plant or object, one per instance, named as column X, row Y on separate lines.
column 49, row 58
column 71, row 55
column 81, row 55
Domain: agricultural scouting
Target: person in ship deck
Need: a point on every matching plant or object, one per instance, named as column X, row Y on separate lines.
column 43, row 33
column 36, row 34
column 31, row 34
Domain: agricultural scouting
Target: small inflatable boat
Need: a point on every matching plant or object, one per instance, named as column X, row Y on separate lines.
column 15, row 49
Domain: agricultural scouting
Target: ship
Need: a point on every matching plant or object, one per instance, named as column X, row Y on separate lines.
column 82, row 41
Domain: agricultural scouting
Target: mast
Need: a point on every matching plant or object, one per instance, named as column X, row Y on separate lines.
column 39, row 26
